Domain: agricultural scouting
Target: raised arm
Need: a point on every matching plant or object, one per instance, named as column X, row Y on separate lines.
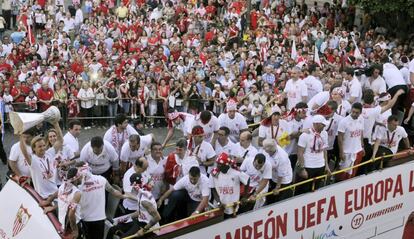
column 392, row 102
column 59, row 143
column 26, row 155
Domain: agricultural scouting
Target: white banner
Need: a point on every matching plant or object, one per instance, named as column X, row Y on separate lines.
column 21, row 216
column 377, row 205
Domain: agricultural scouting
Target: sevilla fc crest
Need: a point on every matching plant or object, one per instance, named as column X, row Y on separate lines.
column 21, row 220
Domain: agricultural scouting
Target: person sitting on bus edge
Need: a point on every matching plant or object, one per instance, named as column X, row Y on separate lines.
column 225, row 183
column 188, row 196
column 145, row 217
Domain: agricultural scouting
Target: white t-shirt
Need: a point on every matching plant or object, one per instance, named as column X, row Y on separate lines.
column 119, row 137
column 257, row 175
column 93, row 198
column 44, row 172
column 209, row 128
column 235, row 125
column 65, row 201
column 280, row 165
column 370, row 115
column 355, row 90
column 353, row 130
column 230, row 148
column 295, row 126
column 245, row 153
column 274, row 132
column 332, row 129
column 377, row 85
column 392, row 75
column 186, row 125
column 383, row 118
column 228, row 186
column 319, row 99
column 344, row 108
column 144, row 216
column 314, row 86
column 71, row 142
column 102, row 162
column 65, row 155
column 390, row 139
column 203, row 152
column 314, row 146
column 295, row 90
column 17, row 156
column 156, row 172
column 186, row 164
column 196, row 192
column 126, row 186
column 127, row 155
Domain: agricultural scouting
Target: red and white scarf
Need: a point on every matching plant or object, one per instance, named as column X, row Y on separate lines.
column 117, row 141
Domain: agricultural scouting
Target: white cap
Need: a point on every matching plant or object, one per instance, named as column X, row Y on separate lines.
column 319, row 119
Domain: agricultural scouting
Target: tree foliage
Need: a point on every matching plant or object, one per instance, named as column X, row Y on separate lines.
column 396, row 16
column 387, row 6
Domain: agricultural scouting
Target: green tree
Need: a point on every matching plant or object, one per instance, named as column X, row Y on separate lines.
column 397, row 16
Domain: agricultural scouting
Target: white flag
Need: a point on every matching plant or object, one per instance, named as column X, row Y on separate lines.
column 294, row 53
column 357, row 52
column 316, row 57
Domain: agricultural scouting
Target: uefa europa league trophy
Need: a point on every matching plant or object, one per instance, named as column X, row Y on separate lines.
column 24, row 121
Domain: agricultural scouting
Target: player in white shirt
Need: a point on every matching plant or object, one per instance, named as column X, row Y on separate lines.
column 68, row 203
column 352, row 85
column 245, row 148
column 375, row 82
column 180, row 120
column 191, row 191
column 156, row 170
column 282, row 173
column 140, row 166
column 333, row 120
column 273, row 128
column 296, row 119
column 395, row 82
column 17, row 161
column 92, row 202
column 210, row 124
column 313, row 83
column 179, row 162
column 312, row 154
column 119, row 133
column 71, row 138
column 146, row 215
column 383, row 100
column 225, row 182
column 102, row 158
column 223, row 143
column 43, row 166
column 233, row 120
column 135, row 148
column 295, row 90
column 351, row 140
column 387, row 140
column 344, row 107
column 202, row 151
column 260, row 172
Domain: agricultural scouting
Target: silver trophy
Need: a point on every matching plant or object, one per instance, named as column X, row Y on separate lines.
column 24, row 121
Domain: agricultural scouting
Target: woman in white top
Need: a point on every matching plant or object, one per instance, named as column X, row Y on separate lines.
column 64, row 159
column 86, row 97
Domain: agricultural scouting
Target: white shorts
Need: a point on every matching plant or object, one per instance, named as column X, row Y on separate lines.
column 348, row 162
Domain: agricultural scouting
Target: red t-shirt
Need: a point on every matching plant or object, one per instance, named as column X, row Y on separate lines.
column 44, row 95
column 5, row 67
